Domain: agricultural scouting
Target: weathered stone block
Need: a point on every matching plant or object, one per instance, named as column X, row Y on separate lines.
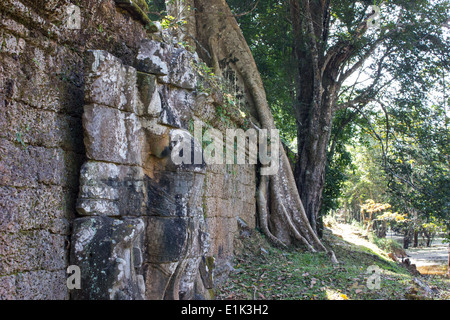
column 186, row 288
column 29, row 285
column 157, row 138
column 202, row 240
column 214, row 185
column 181, row 70
column 210, row 206
column 47, row 207
column 104, row 249
column 173, row 194
column 248, row 212
column 222, row 232
column 98, row 207
column 150, row 98
column 203, row 107
column 14, row 26
column 29, row 166
column 175, row 280
column 129, row 94
column 222, row 207
column 11, row 44
column 234, row 207
column 173, row 65
column 46, row 82
column 7, row 287
column 39, row 127
column 169, row 115
column 177, row 106
column 111, row 135
column 109, row 82
column 153, row 57
column 108, row 189
column 222, row 268
column 43, row 251
column 167, row 239
column 96, row 177
column 157, row 278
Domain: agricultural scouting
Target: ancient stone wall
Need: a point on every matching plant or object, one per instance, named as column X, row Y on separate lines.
column 90, row 111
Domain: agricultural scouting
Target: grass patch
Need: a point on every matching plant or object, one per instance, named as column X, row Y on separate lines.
column 388, row 245
column 296, row 275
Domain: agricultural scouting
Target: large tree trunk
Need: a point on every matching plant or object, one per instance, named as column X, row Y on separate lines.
column 313, row 138
column 221, row 44
column 317, row 85
column 313, row 112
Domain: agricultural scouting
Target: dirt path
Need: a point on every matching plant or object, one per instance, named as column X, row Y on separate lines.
column 354, row 236
column 428, row 260
column 432, row 259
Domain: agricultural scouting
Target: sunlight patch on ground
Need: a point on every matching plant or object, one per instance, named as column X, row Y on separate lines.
column 433, row 269
column 333, row 294
column 351, row 234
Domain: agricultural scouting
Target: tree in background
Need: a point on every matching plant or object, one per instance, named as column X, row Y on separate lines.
column 417, row 163
column 366, row 178
column 219, row 42
column 339, row 61
column 322, row 63
column 411, row 139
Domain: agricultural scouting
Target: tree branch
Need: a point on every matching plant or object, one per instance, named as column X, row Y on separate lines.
column 342, row 125
column 369, row 93
column 384, row 154
column 250, row 11
column 358, row 64
column 340, row 51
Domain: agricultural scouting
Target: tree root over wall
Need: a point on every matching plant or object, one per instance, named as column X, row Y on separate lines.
column 280, row 209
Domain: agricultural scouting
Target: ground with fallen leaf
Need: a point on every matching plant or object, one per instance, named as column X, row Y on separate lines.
column 365, row 272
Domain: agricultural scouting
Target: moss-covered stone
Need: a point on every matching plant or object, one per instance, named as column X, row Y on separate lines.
column 108, row 252
column 206, row 268
column 138, row 9
column 142, row 4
